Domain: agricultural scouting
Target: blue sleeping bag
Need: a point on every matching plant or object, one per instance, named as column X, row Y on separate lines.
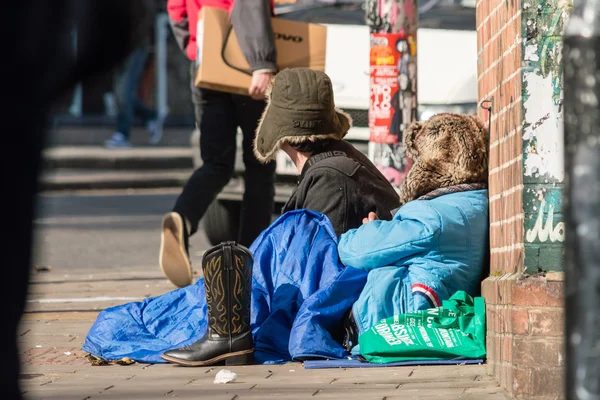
column 300, row 293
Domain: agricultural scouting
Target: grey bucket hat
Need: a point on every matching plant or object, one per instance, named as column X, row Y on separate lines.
column 300, row 107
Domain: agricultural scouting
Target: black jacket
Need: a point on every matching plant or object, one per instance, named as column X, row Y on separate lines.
column 344, row 185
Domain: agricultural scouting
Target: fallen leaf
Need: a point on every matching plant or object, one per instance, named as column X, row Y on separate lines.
column 95, row 361
column 125, row 361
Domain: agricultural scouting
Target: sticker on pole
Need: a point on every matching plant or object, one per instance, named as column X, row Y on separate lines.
column 393, row 81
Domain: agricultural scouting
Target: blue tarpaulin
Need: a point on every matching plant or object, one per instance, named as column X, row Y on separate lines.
column 300, row 293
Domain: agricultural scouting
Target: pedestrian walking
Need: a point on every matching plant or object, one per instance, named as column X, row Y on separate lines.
column 218, row 117
column 130, row 105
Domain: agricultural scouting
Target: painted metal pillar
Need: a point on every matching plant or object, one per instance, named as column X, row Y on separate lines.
column 393, row 83
column 582, row 200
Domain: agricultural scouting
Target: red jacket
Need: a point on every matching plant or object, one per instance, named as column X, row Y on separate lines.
column 184, row 18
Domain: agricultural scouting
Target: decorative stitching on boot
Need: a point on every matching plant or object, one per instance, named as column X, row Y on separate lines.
column 240, row 320
column 215, row 296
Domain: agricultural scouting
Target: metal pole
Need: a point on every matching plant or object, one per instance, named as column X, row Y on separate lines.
column 582, row 201
column 161, row 34
column 393, row 83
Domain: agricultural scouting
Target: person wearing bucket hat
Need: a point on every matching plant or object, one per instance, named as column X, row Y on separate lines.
column 334, row 178
column 437, row 242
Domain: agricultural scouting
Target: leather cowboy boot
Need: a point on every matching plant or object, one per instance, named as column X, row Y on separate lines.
column 227, row 271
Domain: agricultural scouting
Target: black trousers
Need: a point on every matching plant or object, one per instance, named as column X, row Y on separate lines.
column 218, row 116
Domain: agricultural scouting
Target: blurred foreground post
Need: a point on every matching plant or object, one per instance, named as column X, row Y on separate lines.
column 38, row 66
column 582, row 200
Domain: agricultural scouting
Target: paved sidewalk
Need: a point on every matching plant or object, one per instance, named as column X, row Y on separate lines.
column 62, row 306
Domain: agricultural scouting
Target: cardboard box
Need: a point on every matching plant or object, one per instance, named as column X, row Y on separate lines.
column 223, row 65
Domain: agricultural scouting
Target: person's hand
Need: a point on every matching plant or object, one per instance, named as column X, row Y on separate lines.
column 259, row 85
column 372, row 217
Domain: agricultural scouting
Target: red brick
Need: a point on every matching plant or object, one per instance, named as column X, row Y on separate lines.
column 533, row 352
column 520, row 319
column 491, row 316
column 496, row 347
column 537, row 292
column 547, row 322
column 505, row 290
column 506, row 320
column 497, row 206
column 506, row 343
column 505, row 376
column 521, row 384
column 492, row 368
column 489, row 291
column 547, row 382
column 491, row 352
column 495, row 260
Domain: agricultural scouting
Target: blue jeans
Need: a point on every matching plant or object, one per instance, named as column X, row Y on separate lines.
column 130, row 105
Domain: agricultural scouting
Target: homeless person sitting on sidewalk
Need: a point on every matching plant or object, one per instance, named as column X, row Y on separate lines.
column 335, row 178
column 295, row 259
column 437, row 242
column 289, row 297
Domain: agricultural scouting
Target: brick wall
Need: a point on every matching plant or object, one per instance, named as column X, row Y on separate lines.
column 520, row 69
column 525, row 334
column 499, row 78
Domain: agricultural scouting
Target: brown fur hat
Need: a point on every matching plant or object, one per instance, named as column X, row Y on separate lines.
column 447, row 150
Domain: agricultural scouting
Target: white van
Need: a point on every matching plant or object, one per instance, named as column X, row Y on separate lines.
column 447, row 80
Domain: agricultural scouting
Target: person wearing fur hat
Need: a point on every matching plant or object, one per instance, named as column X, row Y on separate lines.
column 437, row 241
column 334, row 178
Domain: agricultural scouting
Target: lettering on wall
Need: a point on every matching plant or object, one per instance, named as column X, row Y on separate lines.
column 544, row 231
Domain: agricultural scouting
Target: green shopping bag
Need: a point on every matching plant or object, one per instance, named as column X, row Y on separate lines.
column 454, row 331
